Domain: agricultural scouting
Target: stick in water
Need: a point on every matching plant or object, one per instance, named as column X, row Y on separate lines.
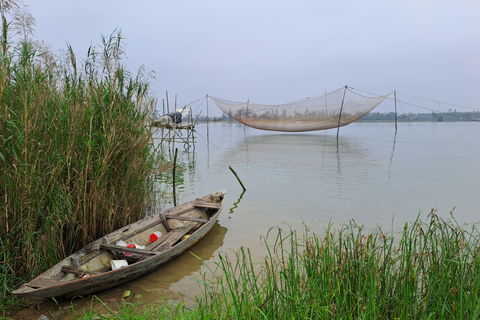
column 237, row 178
column 174, row 168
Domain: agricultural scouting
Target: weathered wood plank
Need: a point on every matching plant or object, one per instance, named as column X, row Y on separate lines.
column 173, row 237
column 77, row 271
column 75, row 262
column 137, row 231
column 206, row 204
column 92, row 255
column 155, row 244
column 164, row 222
column 125, row 249
column 179, row 210
column 43, row 282
column 187, row 218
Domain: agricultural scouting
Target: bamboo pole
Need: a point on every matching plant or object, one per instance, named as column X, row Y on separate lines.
column 207, row 121
column 326, row 110
column 236, row 175
column 174, row 168
column 395, row 95
column 168, row 111
column 341, row 108
column 168, row 106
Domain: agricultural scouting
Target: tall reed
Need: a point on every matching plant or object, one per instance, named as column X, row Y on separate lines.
column 76, row 154
column 430, row 273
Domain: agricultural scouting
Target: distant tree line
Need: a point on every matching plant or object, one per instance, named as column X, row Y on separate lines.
column 451, row 115
column 222, row 118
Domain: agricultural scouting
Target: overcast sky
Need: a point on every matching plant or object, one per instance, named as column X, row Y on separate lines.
column 275, row 52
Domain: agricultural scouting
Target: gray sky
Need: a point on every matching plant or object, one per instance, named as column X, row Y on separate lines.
column 275, row 52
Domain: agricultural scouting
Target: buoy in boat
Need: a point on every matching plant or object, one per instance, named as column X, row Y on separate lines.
column 155, row 236
column 133, row 246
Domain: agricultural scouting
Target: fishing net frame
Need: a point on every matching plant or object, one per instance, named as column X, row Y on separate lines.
column 331, row 110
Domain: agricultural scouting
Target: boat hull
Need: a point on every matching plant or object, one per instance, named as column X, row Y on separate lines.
column 112, row 278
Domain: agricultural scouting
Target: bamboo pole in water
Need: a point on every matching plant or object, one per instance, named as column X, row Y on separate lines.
column 236, row 175
column 395, row 96
column 207, row 121
column 341, row 108
column 168, row 107
column 174, row 168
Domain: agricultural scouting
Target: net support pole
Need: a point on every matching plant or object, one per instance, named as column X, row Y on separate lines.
column 168, row 106
column 173, row 173
column 207, row 120
column 395, row 97
column 341, row 108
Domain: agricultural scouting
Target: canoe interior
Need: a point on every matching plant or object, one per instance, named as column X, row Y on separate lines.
column 90, row 269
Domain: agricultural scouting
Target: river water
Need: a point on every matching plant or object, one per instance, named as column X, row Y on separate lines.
column 369, row 174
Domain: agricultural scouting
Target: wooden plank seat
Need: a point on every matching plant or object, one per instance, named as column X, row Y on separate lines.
column 187, row 218
column 206, row 204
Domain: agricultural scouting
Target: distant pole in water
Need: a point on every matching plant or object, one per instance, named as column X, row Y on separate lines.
column 341, row 108
column 395, row 96
column 326, row 111
column 168, row 106
column 174, row 168
column 207, row 121
column 236, row 175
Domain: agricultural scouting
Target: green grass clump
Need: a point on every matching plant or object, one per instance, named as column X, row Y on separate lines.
column 432, row 272
column 76, row 154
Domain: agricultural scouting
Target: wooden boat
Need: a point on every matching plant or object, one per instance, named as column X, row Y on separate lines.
column 90, row 270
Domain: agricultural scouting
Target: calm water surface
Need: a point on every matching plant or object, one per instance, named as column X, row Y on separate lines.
column 369, row 175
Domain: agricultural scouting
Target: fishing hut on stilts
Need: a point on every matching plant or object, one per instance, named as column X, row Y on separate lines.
column 174, row 127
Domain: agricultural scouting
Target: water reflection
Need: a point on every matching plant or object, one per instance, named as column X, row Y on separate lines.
column 235, row 204
column 291, row 155
column 391, row 156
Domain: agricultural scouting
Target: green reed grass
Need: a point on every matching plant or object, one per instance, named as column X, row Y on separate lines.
column 431, row 271
column 76, row 154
